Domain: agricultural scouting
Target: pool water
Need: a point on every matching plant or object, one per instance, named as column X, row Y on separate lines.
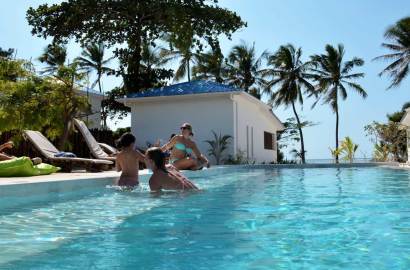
column 351, row 218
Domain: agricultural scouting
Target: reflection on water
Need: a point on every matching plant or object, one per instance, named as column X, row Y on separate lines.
column 355, row 218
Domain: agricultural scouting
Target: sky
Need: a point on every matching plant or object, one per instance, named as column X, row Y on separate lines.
column 310, row 24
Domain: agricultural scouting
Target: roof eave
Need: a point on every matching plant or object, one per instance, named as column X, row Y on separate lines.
column 129, row 100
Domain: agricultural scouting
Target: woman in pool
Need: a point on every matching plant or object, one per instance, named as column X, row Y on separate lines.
column 165, row 177
column 128, row 160
column 182, row 148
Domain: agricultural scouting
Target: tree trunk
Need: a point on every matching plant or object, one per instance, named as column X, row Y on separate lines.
column 64, row 137
column 189, row 70
column 302, row 143
column 337, row 134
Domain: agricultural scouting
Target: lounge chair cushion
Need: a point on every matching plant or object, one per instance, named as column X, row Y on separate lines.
column 95, row 148
column 48, row 150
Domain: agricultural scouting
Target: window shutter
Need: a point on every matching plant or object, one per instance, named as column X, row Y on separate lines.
column 268, row 141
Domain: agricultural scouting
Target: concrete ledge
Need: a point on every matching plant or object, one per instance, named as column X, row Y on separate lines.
column 314, row 165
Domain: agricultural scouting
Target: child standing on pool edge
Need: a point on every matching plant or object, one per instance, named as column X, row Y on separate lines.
column 128, row 160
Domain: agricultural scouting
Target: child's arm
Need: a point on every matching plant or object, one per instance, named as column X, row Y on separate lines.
column 140, row 156
column 118, row 165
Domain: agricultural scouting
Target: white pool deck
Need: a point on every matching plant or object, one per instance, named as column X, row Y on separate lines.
column 56, row 177
column 113, row 175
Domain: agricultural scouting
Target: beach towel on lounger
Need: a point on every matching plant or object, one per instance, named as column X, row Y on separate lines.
column 65, row 154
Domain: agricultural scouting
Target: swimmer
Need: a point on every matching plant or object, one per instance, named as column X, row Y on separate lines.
column 128, row 161
column 165, row 178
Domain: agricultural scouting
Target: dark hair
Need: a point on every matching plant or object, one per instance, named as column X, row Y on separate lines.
column 125, row 140
column 156, row 154
column 172, row 136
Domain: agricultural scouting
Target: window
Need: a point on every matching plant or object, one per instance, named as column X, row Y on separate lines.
column 269, row 140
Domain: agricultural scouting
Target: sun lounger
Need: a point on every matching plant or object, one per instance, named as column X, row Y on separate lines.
column 48, row 151
column 95, row 148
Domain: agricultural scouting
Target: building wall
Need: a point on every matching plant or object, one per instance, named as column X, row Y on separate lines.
column 251, row 122
column 408, row 144
column 155, row 120
column 94, row 120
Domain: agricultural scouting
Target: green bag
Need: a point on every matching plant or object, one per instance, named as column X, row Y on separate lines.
column 23, row 166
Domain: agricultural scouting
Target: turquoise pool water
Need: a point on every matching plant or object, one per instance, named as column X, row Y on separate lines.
column 357, row 218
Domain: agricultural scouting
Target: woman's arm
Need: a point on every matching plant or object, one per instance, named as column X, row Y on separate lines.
column 7, row 145
column 4, row 157
column 198, row 154
column 169, row 144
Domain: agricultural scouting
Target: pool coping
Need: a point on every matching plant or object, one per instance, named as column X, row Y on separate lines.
column 112, row 175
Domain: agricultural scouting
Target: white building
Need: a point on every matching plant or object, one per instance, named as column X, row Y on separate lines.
column 405, row 121
column 94, row 98
column 158, row 113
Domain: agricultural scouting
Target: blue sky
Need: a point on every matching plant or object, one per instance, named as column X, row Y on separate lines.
column 358, row 24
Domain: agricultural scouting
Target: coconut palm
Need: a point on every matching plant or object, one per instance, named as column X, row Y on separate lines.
column 92, row 59
column 398, row 37
column 54, row 56
column 210, row 65
column 289, row 74
column 333, row 77
column 243, row 68
column 151, row 57
column 180, row 48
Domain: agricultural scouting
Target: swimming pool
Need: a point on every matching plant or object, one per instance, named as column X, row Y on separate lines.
column 246, row 218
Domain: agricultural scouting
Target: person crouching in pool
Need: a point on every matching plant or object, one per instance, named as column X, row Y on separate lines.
column 165, row 177
column 128, row 161
column 182, row 148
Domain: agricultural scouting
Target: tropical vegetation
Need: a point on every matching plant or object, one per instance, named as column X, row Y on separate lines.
column 389, row 139
column 398, row 43
column 334, row 76
column 289, row 74
column 218, row 145
column 148, row 40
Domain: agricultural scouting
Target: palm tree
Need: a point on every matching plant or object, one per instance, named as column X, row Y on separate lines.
column 287, row 71
column 218, row 146
column 151, row 57
column 333, row 76
column 210, row 65
column 349, row 148
column 399, row 37
column 180, row 48
column 92, row 59
column 244, row 65
column 54, row 55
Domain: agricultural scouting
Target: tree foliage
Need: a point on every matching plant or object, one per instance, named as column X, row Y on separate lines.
column 334, row 76
column 129, row 24
column 289, row 74
column 218, row 146
column 389, row 139
column 243, row 68
column 398, row 43
column 28, row 101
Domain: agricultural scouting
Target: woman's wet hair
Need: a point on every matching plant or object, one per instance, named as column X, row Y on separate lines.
column 156, row 155
column 125, row 140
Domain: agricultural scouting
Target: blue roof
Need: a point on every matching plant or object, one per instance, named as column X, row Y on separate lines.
column 186, row 88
